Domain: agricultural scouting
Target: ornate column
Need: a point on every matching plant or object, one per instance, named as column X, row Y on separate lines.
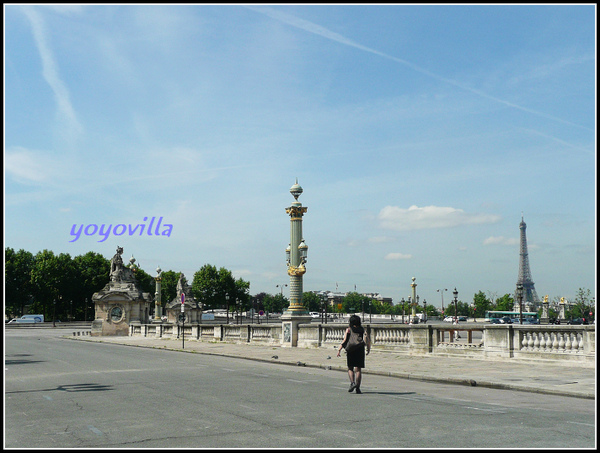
column 296, row 254
column 157, row 298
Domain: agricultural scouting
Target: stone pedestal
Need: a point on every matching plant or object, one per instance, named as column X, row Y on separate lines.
column 289, row 328
column 121, row 303
column 544, row 319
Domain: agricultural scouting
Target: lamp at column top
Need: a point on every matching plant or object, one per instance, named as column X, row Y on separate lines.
column 296, row 190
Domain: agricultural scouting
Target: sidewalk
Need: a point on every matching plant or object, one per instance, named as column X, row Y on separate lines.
column 538, row 377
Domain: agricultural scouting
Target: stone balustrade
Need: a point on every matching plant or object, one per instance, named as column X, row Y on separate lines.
column 576, row 344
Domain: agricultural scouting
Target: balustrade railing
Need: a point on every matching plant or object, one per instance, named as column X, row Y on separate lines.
column 575, row 343
column 552, row 341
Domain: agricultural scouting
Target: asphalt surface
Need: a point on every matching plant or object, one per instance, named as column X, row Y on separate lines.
column 131, row 392
column 565, row 379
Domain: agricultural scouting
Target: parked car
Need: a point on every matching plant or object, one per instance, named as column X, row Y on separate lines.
column 28, row 319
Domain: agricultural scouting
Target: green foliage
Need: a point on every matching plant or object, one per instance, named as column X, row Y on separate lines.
column 53, row 284
column 275, row 304
column 481, row 303
column 354, row 302
column 168, row 287
column 505, row 303
column 17, row 280
column 212, row 287
column 311, row 301
column 144, row 280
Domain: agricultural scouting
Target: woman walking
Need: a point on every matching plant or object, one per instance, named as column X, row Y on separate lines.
column 355, row 356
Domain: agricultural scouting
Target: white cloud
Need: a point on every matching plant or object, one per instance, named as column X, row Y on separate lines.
column 380, row 239
column 501, row 240
column 27, row 166
column 311, row 27
column 397, row 256
column 416, row 218
column 70, row 125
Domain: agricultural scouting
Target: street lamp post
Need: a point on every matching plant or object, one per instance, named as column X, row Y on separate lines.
column 296, row 257
column 441, row 291
column 424, row 310
column 455, row 293
column 363, row 310
column 281, row 288
column 402, row 302
column 227, row 304
column 323, row 298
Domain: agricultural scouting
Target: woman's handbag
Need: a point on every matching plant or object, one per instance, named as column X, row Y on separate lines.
column 355, row 341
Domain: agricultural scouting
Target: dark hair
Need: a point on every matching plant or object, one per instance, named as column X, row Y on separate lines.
column 354, row 320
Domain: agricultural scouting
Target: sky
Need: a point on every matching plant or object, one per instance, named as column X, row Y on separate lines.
column 421, row 136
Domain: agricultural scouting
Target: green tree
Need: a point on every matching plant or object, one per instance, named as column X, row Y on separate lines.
column 402, row 308
column 53, row 284
column 580, row 308
column 206, row 287
column 379, row 307
column 212, row 287
column 311, row 301
column 17, row 281
column 91, row 274
column 275, row 304
column 242, row 293
column 505, row 303
column 481, row 304
column 432, row 311
column 258, row 301
column 353, row 302
column 168, row 287
column 145, row 281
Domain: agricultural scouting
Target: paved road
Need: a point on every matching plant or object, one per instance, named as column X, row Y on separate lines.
column 62, row 394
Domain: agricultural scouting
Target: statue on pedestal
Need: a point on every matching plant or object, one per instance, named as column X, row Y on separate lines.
column 116, row 266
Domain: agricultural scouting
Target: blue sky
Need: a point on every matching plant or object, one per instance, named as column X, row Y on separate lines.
column 420, row 135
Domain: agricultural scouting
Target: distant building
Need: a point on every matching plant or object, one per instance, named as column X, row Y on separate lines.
column 336, row 298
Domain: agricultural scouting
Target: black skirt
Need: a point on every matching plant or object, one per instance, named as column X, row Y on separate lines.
column 356, row 358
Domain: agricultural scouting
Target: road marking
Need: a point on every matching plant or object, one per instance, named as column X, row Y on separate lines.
column 584, row 424
column 487, row 410
column 48, row 398
column 95, row 430
column 295, row 380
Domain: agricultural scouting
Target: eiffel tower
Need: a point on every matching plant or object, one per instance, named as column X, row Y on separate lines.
column 530, row 297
